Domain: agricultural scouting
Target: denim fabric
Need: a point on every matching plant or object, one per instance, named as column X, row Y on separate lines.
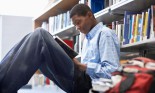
column 37, row 50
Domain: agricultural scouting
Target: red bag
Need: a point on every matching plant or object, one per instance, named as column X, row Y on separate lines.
column 142, row 81
column 133, row 83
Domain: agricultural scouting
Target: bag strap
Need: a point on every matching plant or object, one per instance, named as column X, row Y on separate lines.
column 98, row 41
column 127, row 83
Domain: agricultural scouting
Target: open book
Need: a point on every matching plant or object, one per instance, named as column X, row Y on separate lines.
column 71, row 53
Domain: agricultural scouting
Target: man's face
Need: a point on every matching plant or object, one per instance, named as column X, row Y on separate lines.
column 82, row 23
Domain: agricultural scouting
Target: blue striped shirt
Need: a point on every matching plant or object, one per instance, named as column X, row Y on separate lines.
column 101, row 51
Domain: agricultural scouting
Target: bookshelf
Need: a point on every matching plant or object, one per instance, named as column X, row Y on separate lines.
column 107, row 15
column 116, row 11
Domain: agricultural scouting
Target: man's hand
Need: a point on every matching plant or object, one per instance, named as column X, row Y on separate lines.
column 81, row 66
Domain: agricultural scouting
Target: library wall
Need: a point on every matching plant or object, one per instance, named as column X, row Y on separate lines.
column 13, row 29
column 0, row 36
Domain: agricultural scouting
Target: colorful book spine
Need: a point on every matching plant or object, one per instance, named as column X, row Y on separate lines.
column 139, row 37
column 127, row 25
column 137, row 28
column 145, row 26
column 149, row 23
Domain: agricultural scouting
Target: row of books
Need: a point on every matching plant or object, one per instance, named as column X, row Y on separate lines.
column 136, row 26
column 139, row 26
column 56, row 23
column 118, row 27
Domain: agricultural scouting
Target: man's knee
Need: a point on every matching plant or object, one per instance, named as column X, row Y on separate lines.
column 40, row 32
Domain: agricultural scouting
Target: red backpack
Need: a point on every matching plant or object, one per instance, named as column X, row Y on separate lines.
column 141, row 81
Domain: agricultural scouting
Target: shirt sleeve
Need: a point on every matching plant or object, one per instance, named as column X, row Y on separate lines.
column 109, row 52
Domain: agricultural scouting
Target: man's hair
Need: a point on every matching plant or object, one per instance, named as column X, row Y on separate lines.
column 80, row 10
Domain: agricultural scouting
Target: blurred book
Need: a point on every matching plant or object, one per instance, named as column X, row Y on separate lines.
column 70, row 52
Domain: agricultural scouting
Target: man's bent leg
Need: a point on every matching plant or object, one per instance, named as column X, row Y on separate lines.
column 30, row 54
column 57, row 64
column 62, row 68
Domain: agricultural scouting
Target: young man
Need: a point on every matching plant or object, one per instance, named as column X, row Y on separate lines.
column 38, row 50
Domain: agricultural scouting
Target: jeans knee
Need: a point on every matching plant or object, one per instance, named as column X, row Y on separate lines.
column 39, row 31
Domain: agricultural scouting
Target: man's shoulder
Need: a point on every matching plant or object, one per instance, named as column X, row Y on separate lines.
column 107, row 31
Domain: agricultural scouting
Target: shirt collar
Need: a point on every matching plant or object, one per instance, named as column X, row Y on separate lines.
column 93, row 31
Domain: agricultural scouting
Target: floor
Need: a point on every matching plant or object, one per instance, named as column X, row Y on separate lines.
column 51, row 89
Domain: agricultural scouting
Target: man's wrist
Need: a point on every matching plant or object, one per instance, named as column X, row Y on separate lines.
column 82, row 67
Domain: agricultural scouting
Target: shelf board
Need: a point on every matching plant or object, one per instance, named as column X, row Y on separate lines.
column 142, row 45
column 121, row 4
column 67, row 32
column 131, row 5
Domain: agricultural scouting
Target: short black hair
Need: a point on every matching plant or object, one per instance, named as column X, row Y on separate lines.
column 80, row 10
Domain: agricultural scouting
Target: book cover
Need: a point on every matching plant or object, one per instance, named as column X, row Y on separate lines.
column 152, row 33
column 96, row 5
column 107, row 3
column 139, row 37
column 70, row 52
column 149, row 24
column 130, row 28
column 142, row 26
column 137, row 27
column 127, row 18
column 145, row 26
column 133, row 28
column 153, row 16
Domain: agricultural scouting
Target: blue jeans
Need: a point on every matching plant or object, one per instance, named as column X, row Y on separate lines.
column 38, row 50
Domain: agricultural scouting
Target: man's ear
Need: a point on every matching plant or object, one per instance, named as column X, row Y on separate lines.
column 89, row 14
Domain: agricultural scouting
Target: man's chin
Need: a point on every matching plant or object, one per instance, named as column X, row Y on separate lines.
column 82, row 31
